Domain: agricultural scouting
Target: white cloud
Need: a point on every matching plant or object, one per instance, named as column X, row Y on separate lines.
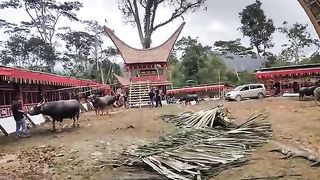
column 220, row 22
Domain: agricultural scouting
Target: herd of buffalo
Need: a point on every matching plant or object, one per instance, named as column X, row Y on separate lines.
column 62, row 109
column 59, row 110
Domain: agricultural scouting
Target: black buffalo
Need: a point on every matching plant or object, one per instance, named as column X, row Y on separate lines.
column 58, row 111
column 189, row 97
column 102, row 103
column 306, row 91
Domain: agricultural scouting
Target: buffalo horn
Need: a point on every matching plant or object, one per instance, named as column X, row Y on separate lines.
column 41, row 103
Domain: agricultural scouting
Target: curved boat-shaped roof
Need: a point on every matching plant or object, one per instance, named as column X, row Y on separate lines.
column 152, row 55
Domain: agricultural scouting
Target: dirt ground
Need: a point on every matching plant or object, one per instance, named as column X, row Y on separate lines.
column 76, row 153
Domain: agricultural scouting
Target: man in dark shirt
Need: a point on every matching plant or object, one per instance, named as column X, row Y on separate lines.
column 125, row 99
column 18, row 116
column 158, row 99
column 151, row 98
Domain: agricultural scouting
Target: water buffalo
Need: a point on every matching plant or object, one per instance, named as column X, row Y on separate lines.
column 189, row 97
column 317, row 95
column 58, row 110
column 306, row 91
column 102, row 103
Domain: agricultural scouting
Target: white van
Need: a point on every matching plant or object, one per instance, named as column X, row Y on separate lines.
column 247, row 91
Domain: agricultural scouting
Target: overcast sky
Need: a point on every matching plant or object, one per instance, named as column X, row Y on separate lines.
column 219, row 22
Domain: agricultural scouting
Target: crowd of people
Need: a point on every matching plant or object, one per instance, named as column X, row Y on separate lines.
column 155, row 97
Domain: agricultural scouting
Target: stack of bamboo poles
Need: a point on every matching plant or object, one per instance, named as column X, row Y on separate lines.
column 204, row 145
column 205, row 118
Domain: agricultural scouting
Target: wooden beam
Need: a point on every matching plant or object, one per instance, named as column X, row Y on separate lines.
column 30, row 120
column 311, row 16
column 77, row 87
column 4, row 131
column 91, row 90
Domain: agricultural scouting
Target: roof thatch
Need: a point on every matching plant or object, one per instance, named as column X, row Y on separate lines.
column 123, row 81
column 132, row 55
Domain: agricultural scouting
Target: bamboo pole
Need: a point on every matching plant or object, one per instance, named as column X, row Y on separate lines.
column 91, row 90
column 4, row 131
column 77, row 87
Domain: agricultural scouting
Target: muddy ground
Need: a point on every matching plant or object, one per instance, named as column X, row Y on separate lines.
column 77, row 153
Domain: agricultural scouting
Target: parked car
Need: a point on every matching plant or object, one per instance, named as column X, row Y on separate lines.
column 247, row 91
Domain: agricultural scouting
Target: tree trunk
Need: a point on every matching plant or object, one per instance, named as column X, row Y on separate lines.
column 147, row 42
column 296, row 55
column 258, row 51
column 102, row 75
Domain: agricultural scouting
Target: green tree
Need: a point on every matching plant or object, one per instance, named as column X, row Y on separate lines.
column 194, row 56
column 273, row 60
column 177, row 77
column 232, row 47
column 38, row 54
column 109, row 67
column 257, row 27
column 15, row 49
column 298, row 38
column 213, row 71
column 97, row 30
column 101, row 54
column 246, row 77
column 32, row 53
column 313, row 59
column 142, row 14
column 44, row 15
column 76, row 59
column 5, row 58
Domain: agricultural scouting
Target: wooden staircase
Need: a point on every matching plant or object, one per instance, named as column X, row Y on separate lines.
column 139, row 94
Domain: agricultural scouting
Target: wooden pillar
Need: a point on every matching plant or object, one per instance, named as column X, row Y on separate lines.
column 4, row 131
column 59, row 95
column 280, row 86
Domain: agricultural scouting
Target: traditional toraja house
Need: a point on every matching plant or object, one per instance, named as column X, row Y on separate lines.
column 289, row 79
column 145, row 65
column 312, row 8
column 31, row 87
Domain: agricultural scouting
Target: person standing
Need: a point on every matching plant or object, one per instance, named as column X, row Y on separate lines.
column 19, row 117
column 158, row 98
column 161, row 94
column 151, row 98
column 125, row 99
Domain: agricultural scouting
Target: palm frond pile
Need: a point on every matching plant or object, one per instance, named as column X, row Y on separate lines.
column 205, row 144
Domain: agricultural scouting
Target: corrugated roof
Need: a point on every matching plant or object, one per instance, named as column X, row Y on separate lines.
column 36, row 77
column 300, row 66
column 123, row 81
column 288, row 72
column 134, row 55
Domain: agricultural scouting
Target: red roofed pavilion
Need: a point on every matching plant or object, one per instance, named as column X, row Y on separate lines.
column 289, row 78
column 31, row 86
column 145, row 65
